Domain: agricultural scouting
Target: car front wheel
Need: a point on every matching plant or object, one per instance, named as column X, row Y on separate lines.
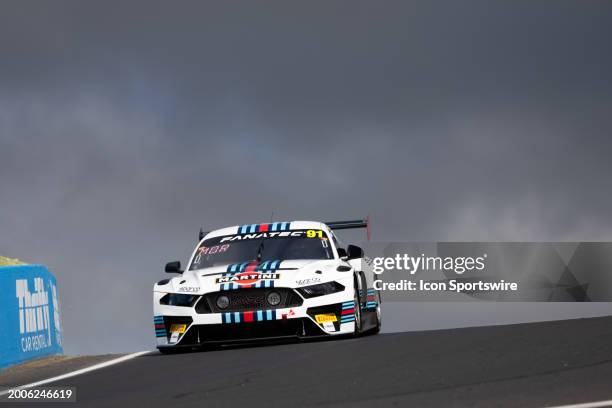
column 358, row 323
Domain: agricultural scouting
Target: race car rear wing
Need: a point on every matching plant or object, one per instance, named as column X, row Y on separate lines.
column 338, row 225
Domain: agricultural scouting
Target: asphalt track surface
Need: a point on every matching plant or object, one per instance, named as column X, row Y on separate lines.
column 526, row 365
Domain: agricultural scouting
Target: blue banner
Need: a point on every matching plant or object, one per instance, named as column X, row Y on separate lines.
column 30, row 323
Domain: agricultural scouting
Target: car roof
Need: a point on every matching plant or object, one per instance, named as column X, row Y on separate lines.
column 266, row 227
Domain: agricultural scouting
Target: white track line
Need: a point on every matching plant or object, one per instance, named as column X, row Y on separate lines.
column 596, row 404
column 78, row 372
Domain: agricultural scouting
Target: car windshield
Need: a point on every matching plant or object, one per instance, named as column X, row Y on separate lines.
column 295, row 244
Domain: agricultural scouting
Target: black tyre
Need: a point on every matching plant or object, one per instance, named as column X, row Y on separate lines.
column 376, row 329
column 358, row 321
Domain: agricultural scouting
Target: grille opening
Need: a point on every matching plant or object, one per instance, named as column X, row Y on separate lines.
column 202, row 306
column 248, row 299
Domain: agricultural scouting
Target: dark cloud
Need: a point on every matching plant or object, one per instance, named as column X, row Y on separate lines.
column 125, row 128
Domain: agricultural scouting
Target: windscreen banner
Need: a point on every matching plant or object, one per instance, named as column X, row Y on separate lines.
column 30, row 320
column 492, row 271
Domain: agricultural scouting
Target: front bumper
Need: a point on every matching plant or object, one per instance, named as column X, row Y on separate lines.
column 250, row 325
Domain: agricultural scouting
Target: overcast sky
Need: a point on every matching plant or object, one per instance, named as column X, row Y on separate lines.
column 124, row 126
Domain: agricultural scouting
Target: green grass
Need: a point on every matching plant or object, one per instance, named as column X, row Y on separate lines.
column 4, row 261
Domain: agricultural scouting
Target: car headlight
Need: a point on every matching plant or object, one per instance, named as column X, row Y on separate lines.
column 178, row 299
column 320, row 289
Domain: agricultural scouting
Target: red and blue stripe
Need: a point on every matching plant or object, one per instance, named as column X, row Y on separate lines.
column 347, row 314
column 270, row 227
column 266, row 266
column 160, row 327
column 253, row 266
column 371, row 302
column 249, row 316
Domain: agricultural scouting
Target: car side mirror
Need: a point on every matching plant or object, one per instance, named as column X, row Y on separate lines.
column 173, row 267
column 342, row 254
column 354, row 252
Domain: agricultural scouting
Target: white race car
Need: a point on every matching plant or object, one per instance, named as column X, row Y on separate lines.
column 262, row 281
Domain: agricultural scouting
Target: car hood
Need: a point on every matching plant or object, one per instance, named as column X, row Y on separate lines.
column 290, row 273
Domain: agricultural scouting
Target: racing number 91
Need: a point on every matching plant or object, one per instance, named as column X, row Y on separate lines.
column 314, row 234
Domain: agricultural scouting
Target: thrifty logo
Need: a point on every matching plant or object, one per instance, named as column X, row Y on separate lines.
column 34, row 320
